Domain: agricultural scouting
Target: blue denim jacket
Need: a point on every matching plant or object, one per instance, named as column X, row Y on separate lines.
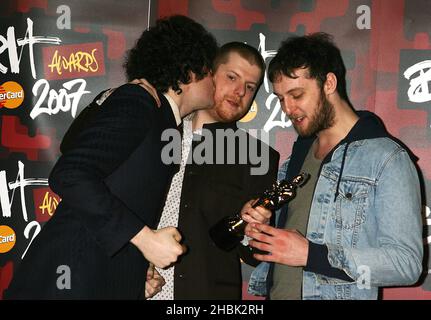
column 372, row 229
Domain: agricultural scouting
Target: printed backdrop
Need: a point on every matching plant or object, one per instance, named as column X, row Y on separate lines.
column 55, row 56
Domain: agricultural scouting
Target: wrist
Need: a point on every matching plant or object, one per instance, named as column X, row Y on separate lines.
column 306, row 252
column 141, row 236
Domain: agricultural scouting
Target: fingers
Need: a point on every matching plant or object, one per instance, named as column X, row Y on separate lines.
column 247, row 205
column 250, row 203
column 177, row 248
column 150, row 271
column 261, row 237
column 171, row 231
column 154, row 285
column 263, row 212
column 174, row 232
column 249, row 229
column 177, row 237
column 161, row 247
column 264, row 257
column 265, row 228
column 181, row 248
column 158, row 280
column 257, row 215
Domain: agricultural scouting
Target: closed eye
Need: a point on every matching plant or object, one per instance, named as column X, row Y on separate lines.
column 251, row 88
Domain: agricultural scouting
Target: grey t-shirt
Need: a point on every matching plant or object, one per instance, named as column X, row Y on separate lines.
column 287, row 281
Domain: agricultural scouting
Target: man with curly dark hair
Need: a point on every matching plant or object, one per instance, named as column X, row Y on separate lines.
column 180, row 48
column 111, row 177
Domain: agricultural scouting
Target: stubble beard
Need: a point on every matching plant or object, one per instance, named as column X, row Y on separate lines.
column 322, row 119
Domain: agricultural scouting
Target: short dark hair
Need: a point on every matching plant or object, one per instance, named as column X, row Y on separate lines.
column 166, row 53
column 315, row 51
column 246, row 51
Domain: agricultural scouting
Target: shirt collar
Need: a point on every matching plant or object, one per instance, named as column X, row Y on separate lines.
column 174, row 108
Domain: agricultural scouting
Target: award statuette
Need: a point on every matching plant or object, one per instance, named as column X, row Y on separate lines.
column 229, row 231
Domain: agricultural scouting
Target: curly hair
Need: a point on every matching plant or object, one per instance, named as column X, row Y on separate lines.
column 315, row 51
column 166, row 53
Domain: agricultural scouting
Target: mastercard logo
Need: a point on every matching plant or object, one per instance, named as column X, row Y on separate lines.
column 7, row 239
column 251, row 113
column 11, row 95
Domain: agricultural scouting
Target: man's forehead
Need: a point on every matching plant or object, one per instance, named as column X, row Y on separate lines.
column 238, row 64
column 301, row 80
column 297, row 75
column 235, row 59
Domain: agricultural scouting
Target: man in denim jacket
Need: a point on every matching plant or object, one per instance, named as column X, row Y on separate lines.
column 361, row 210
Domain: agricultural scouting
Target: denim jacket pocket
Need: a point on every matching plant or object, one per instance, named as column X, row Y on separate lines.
column 324, row 280
column 350, row 208
column 334, row 289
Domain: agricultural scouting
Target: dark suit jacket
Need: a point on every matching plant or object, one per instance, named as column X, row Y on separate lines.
column 112, row 183
column 210, row 192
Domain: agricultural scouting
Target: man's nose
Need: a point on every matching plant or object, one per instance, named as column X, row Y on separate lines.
column 286, row 107
column 240, row 90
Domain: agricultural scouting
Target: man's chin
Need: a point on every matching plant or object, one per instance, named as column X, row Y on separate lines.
column 226, row 118
column 303, row 133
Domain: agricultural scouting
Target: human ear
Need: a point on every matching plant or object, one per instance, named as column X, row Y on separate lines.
column 330, row 85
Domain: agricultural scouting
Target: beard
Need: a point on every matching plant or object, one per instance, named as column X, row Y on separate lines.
column 226, row 114
column 323, row 118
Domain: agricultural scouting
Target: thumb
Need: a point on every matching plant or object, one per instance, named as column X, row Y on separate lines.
column 177, row 235
column 183, row 248
column 150, row 273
